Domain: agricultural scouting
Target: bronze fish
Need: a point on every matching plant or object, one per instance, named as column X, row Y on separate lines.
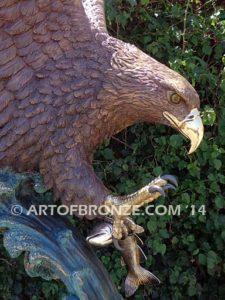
column 101, row 235
column 132, row 255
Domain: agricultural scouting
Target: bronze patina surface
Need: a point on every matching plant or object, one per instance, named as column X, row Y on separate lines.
column 132, row 256
column 66, row 85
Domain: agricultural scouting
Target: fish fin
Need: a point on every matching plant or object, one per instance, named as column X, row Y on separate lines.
column 143, row 257
column 140, row 277
column 131, row 284
column 146, row 277
column 139, row 239
column 123, row 264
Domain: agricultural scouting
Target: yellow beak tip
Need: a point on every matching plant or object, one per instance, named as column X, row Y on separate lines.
column 191, row 127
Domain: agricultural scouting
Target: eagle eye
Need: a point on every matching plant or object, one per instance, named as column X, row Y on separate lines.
column 175, row 98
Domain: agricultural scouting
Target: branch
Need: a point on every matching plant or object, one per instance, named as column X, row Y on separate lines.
column 185, row 25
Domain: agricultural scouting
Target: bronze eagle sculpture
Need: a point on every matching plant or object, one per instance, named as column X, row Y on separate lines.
column 66, row 85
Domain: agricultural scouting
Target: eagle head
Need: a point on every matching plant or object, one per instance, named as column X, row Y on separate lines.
column 154, row 93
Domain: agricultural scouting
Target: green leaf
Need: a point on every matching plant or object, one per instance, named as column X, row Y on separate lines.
column 217, row 164
column 219, row 201
column 176, row 140
column 192, row 290
column 207, row 49
column 208, row 116
column 132, row 2
column 108, row 154
column 202, row 259
column 152, row 226
column 212, row 259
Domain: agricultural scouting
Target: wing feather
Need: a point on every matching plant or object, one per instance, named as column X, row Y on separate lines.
column 50, row 72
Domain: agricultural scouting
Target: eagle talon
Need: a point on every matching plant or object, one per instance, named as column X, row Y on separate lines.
column 121, row 207
column 117, row 233
column 123, row 227
column 157, row 189
column 171, row 179
column 132, row 226
column 161, row 190
column 169, row 186
column 119, row 226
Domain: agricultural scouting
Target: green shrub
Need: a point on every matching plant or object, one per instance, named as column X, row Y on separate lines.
column 186, row 251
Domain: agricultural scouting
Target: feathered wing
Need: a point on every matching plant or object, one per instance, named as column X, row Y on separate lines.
column 47, row 91
column 95, row 12
column 39, row 39
column 90, row 12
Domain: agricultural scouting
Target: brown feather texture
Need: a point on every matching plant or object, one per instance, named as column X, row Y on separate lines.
column 66, row 85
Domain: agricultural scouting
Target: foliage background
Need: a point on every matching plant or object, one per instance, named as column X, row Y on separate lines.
column 186, row 252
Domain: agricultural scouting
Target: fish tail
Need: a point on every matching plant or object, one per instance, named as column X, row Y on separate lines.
column 140, row 277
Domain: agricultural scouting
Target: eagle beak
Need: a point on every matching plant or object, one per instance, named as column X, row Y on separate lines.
column 191, row 127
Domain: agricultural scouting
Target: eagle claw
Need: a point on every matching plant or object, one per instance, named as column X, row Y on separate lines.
column 170, row 178
column 157, row 189
column 161, row 190
column 121, row 207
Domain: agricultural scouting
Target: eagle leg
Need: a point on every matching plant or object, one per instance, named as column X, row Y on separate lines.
column 120, row 207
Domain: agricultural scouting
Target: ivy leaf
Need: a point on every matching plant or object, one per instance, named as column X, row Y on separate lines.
column 207, row 49
column 208, row 116
column 132, row 2
column 219, row 201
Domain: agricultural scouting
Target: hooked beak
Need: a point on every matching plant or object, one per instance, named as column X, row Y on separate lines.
column 191, row 127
